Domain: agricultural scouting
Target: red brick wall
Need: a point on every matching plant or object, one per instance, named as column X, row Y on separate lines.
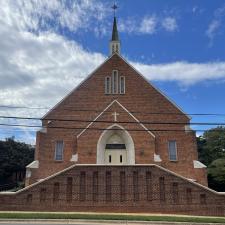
column 140, row 96
column 138, row 190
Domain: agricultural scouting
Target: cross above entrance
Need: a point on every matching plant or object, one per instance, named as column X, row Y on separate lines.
column 115, row 114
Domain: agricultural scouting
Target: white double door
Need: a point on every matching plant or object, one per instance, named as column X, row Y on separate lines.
column 115, row 156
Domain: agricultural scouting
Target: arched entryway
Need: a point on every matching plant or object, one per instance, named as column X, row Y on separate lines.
column 115, row 146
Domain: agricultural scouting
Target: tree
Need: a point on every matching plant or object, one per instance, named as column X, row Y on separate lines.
column 211, row 149
column 211, row 145
column 216, row 174
column 14, row 157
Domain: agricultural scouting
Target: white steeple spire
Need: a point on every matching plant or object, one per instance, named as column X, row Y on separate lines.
column 115, row 42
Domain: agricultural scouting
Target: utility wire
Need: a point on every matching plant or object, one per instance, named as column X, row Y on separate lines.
column 108, row 121
column 96, row 128
column 93, row 110
column 149, row 113
column 21, row 107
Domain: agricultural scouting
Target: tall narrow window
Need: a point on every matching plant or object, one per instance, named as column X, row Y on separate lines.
column 113, row 48
column 56, row 192
column 108, row 182
column 117, row 49
column 107, row 85
column 135, row 186
column 122, row 85
column 122, row 186
column 175, row 192
column 149, row 185
column 82, row 186
column 115, row 82
column 110, row 158
column 69, row 186
column 162, row 193
column 172, row 147
column 59, row 151
column 95, row 186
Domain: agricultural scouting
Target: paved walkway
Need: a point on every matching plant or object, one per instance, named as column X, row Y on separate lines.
column 92, row 222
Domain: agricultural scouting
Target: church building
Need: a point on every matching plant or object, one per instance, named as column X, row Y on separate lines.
column 116, row 143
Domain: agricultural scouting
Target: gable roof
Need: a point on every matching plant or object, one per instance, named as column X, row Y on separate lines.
column 124, row 108
column 159, row 91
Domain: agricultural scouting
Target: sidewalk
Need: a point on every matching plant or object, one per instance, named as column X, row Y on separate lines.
column 94, row 222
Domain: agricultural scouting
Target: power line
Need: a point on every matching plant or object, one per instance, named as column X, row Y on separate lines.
column 93, row 110
column 150, row 113
column 108, row 121
column 101, row 129
column 21, row 107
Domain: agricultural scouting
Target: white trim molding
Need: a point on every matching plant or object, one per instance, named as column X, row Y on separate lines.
column 157, row 158
column 198, row 165
column 125, row 109
column 74, row 158
column 33, row 165
column 43, row 130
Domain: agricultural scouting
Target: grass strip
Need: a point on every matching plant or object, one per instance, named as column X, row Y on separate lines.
column 38, row 215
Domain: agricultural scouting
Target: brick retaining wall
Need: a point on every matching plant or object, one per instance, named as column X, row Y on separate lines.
column 98, row 188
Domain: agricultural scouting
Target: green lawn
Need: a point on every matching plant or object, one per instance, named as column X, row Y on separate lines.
column 39, row 215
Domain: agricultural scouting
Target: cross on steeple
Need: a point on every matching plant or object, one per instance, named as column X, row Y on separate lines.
column 115, row 42
column 114, row 7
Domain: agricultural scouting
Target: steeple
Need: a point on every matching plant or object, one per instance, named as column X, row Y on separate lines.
column 114, row 45
column 115, row 35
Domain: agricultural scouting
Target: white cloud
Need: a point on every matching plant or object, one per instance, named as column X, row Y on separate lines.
column 170, row 24
column 48, row 15
column 132, row 25
column 184, row 73
column 148, row 25
column 216, row 24
column 213, row 27
column 194, row 9
column 38, row 65
column 128, row 25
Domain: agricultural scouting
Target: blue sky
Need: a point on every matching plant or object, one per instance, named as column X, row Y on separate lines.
column 49, row 47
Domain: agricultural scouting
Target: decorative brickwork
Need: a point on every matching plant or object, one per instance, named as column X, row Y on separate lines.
column 138, row 188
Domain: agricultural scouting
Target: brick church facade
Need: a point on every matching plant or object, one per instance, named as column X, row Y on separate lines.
column 116, row 143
